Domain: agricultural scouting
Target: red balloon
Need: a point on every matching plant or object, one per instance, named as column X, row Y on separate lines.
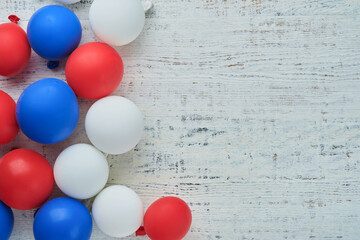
column 15, row 49
column 26, row 179
column 167, row 218
column 8, row 125
column 94, row 70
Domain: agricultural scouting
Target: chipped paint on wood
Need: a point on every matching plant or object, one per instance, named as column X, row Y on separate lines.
column 252, row 115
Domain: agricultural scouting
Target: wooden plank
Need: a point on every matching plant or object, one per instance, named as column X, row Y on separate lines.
column 266, row 210
column 182, row 9
column 252, row 115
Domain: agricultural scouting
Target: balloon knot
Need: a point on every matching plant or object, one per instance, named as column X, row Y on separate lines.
column 14, row 18
column 52, row 64
column 141, row 231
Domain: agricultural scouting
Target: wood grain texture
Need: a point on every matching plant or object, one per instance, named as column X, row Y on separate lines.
column 252, row 115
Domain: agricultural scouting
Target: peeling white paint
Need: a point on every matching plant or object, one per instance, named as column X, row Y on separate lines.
column 252, row 115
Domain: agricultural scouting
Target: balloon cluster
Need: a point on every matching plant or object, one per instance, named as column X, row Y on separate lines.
column 47, row 112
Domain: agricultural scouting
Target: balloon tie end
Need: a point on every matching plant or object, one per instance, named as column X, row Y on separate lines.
column 141, row 231
column 52, row 64
column 147, row 5
column 14, row 19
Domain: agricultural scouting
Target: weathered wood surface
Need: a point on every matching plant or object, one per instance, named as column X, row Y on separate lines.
column 252, row 115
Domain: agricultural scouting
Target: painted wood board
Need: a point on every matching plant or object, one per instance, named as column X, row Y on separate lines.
column 252, row 115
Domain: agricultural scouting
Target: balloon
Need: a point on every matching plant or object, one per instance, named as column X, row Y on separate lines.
column 8, row 125
column 26, row 179
column 94, row 70
column 47, row 111
column 62, row 218
column 117, row 22
column 67, row 1
column 15, row 50
column 118, row 211
column 114, row 124
column 167, row 218
column 81, row 171
column 54, row 32
column 6, row 220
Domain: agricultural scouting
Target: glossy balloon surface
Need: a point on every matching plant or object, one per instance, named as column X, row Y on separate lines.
column 47, row 111
column 167, row 218
column 6, row 221
column 117, row 22
column 114, row 124
column 15, row 49
column 62, row 218
column 26, row 179
column 94, row 70
column 81, row 171
column 54, row 32
column 117, row 211
column 8, row 125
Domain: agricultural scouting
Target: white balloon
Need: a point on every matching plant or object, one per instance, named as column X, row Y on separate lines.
column 114, row 124
column 67, row 1
column 118, row 211
column 117, row 22
column 81, row 171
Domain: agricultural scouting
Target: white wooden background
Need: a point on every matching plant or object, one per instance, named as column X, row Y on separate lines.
column 252, row 115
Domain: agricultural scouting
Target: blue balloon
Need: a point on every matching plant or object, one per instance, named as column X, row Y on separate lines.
column 54, row 32
column 47, row 111
column 6, row 221
column 62, row 218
